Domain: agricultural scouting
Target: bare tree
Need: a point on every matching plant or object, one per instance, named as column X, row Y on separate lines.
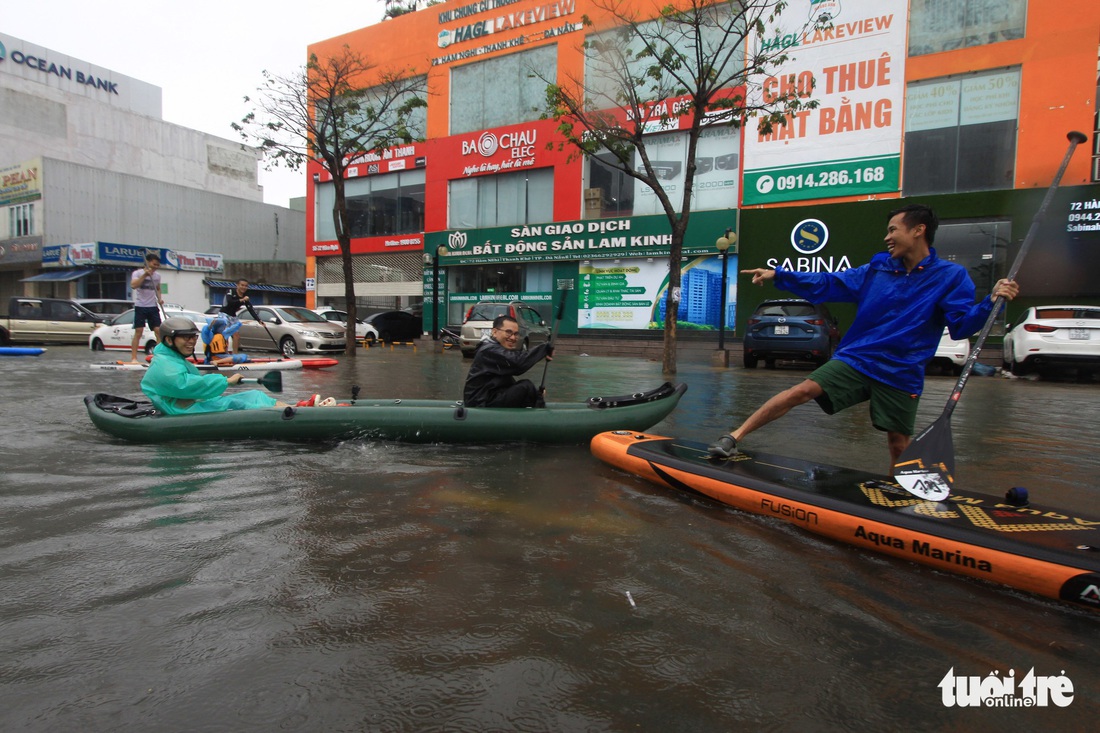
column 698, row 63
column 334, row 110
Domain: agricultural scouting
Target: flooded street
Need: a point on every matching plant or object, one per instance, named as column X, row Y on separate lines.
column 369, row 586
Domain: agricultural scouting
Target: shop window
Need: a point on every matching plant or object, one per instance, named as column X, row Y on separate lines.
column 945, row 25
column 960, row 133
column 415, row 122
column 377, row 205
column 21, row 220
column 501, row 91
column 502, row 200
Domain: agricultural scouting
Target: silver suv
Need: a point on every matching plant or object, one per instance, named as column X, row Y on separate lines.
column 479, row 322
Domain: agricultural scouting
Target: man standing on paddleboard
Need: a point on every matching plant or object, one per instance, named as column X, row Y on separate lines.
column 905, row 297
column 145, row 283
column 234, row 301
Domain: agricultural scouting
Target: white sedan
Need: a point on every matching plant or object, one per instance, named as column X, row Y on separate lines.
column 118, row 333
column 951, row 354
column 1050, row 336
column 362, row 330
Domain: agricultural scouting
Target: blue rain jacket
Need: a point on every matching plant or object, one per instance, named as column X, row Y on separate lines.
column 177, row 387
column 900, row 316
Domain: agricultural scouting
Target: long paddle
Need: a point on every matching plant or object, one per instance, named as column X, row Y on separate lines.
column 927, row 467
column 564, row 286
column 272, row 380
column 256, row 315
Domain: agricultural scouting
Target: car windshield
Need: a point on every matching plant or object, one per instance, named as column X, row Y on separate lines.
column 786, row 309
column 123, row 319
column 300, row 315
column 488, row 311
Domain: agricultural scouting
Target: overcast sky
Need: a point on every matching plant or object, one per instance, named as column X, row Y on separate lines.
column 206, row 55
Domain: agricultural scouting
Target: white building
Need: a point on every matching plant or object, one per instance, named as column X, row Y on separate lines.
column 85, row 156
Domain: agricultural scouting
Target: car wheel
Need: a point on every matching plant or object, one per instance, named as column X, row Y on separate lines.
column 288, row 346
column 149, row 346
column 97, row 345
column 769, row 363
column 1019, row 369
column 750, row 361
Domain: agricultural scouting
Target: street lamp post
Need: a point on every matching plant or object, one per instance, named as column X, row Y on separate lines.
column 724, row 245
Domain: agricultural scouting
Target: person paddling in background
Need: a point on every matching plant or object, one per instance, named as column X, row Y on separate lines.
column 235, row 300
column 491, row 381
column 214, row 335
column 904, row 297
column 145, row 283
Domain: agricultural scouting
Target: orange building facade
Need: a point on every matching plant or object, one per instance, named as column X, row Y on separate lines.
column 962, row 105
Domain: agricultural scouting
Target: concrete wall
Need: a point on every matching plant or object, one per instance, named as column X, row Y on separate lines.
column 118, row 130
column 84, row 204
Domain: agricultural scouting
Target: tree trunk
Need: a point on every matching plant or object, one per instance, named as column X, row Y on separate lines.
column 672, row 304
column 343, row 237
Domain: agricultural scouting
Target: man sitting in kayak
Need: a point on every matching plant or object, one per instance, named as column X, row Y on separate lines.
column 904, row 297
column 215, row 334
column 177, row 387
column 491, row 381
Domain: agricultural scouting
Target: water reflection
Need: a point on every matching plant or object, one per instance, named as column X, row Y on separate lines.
column 371, row 586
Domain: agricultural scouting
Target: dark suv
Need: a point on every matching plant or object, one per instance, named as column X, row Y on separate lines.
column 479, row 322
column 790, row 328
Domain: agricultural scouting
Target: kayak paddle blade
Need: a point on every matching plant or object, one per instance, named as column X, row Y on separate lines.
column 272, row 380
column 926, row 468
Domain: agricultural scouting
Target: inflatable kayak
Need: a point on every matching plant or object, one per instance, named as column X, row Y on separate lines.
column 1039, row 549
column 21, row 351
column 413, row 421
column 275, row 365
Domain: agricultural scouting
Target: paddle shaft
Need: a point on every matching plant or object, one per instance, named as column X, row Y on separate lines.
column 256, row 315
column 553, row 335
column 1075, row 138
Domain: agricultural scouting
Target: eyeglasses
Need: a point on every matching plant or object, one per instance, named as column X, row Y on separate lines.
column 188, row 336
column 508, row 333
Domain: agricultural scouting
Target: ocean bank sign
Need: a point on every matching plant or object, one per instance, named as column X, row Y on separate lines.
column 38, row 62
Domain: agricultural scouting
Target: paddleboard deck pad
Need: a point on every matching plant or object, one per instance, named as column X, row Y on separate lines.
column 1042, row 550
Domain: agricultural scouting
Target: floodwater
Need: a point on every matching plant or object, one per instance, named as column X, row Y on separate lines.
column 369, row 586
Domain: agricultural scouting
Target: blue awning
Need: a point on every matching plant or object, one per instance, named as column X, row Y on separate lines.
column 57, row 276
column 230, row 284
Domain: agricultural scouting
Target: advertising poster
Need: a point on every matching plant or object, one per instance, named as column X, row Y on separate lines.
column 851, row 144
column 716, row 169
column 632, row 294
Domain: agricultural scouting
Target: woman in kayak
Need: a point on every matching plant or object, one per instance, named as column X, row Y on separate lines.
column 177, row 387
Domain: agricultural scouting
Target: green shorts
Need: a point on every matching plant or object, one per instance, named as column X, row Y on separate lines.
column 891, row 409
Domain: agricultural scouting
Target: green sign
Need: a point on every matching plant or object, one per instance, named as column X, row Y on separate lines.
column 855, row 177
column 586, row 239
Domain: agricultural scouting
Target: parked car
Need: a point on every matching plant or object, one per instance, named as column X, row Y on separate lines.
column 395, row 325
column 790, row 328
column 479, row 322
column 117, row 333
column 1053, row 336
column 106, row 307
column 46, row 321
column 950, row 355
column 290, row 330
column 363, row 330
